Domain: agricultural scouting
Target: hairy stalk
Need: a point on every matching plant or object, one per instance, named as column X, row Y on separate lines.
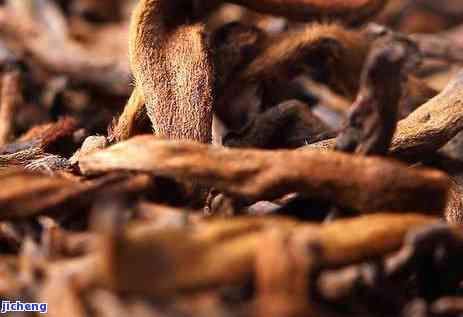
column 172, row 66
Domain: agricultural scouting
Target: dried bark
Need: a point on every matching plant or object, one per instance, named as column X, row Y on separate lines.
column 356, row 182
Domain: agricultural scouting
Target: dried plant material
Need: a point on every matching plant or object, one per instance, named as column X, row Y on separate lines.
column 417, row 92
column 325, row 95
column 433, row 124
column 186, row 228
column 429, row 127
column 31, row 149
column 372, row 120
column 61, row 296
column 448, row 160
column 68, row 56
column 356, row 182
column 439, row 47
column 349, row 241
column 234, row 45
column 173, row 69
column 20, row 158
column 386, row 279
column 219, row 253
column 351, row 12
column 48, row 164
column 130, row 120
column 453, row 212
column 223, row 252
column 42, row 136
column 91, row 144
column 10, row 100
column 282, row 287
column 189, row 116
column 289, row 125
column 337, row 52
column 18, row 200
column 42, row 193
column 342, row 52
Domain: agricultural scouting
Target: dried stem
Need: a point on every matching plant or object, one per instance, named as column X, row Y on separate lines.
column 352, row 11
column 429, row 127
column 171, row 63
column 132, row 117
column 366, row 184
column 172, row 68
column 223, row 252
column 373, row 117
column 10, row 99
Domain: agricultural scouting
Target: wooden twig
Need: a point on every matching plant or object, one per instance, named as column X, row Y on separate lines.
column 366, row 184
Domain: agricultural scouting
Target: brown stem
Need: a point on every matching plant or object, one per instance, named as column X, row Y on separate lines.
column 10, row 98
column 373, row 117
column 365, row 184
column 220, row 253
column 426, row 129
column 171, row 61
column 172, row 67
column 352, row 11
column 132, row 117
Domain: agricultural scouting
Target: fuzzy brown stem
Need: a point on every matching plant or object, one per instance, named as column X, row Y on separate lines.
column 172, row 68
column 133, row 115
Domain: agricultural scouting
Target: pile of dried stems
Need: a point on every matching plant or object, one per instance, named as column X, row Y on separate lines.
column 232, row 158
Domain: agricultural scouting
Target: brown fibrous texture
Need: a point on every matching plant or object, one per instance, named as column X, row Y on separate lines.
column 260, row 175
